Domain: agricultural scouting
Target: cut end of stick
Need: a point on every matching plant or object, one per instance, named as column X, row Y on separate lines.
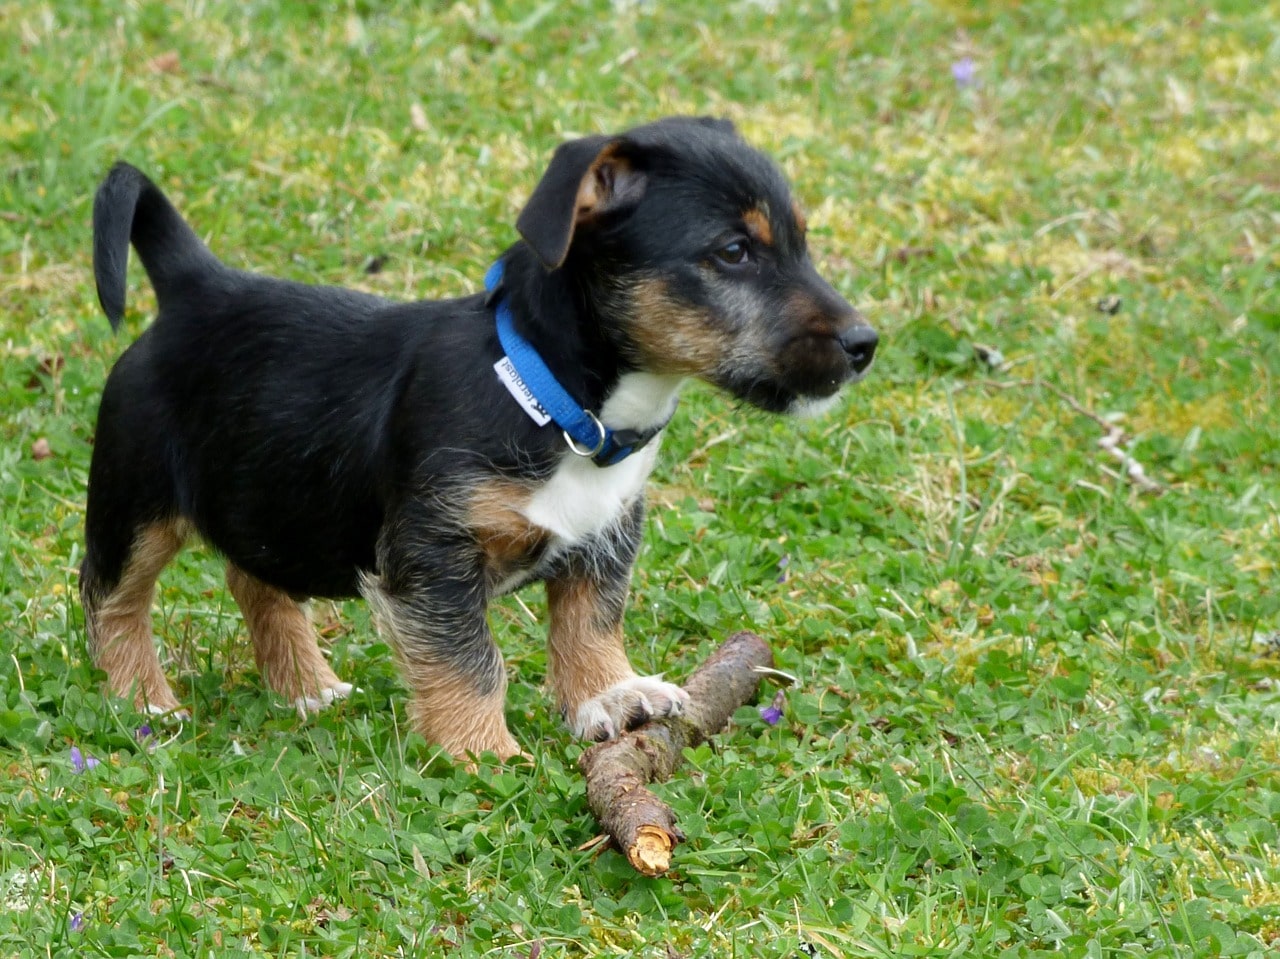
column 651, row 852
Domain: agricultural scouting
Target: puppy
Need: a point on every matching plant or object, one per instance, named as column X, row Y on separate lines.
column 431, row 456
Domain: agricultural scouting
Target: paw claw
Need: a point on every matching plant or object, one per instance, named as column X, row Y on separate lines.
column 640, row 714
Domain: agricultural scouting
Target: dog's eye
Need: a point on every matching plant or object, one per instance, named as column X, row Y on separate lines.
column 734, row 253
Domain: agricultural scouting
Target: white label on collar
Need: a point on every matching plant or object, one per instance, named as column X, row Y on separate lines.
column 517, row 388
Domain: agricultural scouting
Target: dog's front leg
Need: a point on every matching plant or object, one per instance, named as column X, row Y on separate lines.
column 429, row 600
column 600, row 695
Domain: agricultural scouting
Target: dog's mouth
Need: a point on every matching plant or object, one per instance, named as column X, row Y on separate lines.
column 815, row 368
column 807, row 375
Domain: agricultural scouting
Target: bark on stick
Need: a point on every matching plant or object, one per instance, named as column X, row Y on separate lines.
column 640, row 824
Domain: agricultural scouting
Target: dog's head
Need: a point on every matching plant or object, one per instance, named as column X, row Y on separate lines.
column 690, row 246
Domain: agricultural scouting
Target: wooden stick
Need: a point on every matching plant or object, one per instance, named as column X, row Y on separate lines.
column 640, row 824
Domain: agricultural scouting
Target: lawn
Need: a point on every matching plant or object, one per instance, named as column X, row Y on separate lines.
column 1025, row 573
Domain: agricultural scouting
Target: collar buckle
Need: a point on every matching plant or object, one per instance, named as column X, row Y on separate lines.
column 581, row 449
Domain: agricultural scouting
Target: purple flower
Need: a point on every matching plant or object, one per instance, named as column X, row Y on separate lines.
column 77, row 922
column 143, row 732
column 965, row 72
column 80, row 762
column 772, row 714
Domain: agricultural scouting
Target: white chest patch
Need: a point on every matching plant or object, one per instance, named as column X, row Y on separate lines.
column 581, row 499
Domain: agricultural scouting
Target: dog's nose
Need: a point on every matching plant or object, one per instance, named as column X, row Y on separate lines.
column 860, row 343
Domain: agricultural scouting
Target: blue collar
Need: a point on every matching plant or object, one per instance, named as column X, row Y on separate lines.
column 525, row 375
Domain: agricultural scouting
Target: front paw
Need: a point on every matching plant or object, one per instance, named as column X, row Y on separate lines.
column 325, row 696
column 625, row 705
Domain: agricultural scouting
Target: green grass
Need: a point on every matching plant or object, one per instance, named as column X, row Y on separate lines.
column 1037, row 715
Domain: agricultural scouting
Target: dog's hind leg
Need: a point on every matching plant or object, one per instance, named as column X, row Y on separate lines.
column 429, row 600
column 284, row 644
column 117, row 584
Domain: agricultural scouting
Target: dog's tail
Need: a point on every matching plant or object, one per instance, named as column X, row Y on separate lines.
column 129, row 207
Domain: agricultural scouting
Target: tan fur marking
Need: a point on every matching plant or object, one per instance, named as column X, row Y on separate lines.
column 804, row 309
column 594, row 188
column 505, row 535
column 798, row 215
column 284, row 642
column 673, row 337
column 590, row 194
column 757, row 221
column 444, row 706
column 584, row 656
column 119, row 626
column 445, row 710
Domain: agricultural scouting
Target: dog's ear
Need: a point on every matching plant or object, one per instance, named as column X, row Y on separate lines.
column 586, row 179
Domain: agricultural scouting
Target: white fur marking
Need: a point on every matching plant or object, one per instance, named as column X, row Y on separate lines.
column 582, row 499
column 810, row 408
column 592, row 721
column 172, row 715
column 605, row 716
column 327, row 696
column 641, row 401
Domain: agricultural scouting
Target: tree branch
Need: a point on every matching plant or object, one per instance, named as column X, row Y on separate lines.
column 640, row 824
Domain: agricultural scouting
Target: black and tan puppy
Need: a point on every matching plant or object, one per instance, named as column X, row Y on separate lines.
column 330, row 443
